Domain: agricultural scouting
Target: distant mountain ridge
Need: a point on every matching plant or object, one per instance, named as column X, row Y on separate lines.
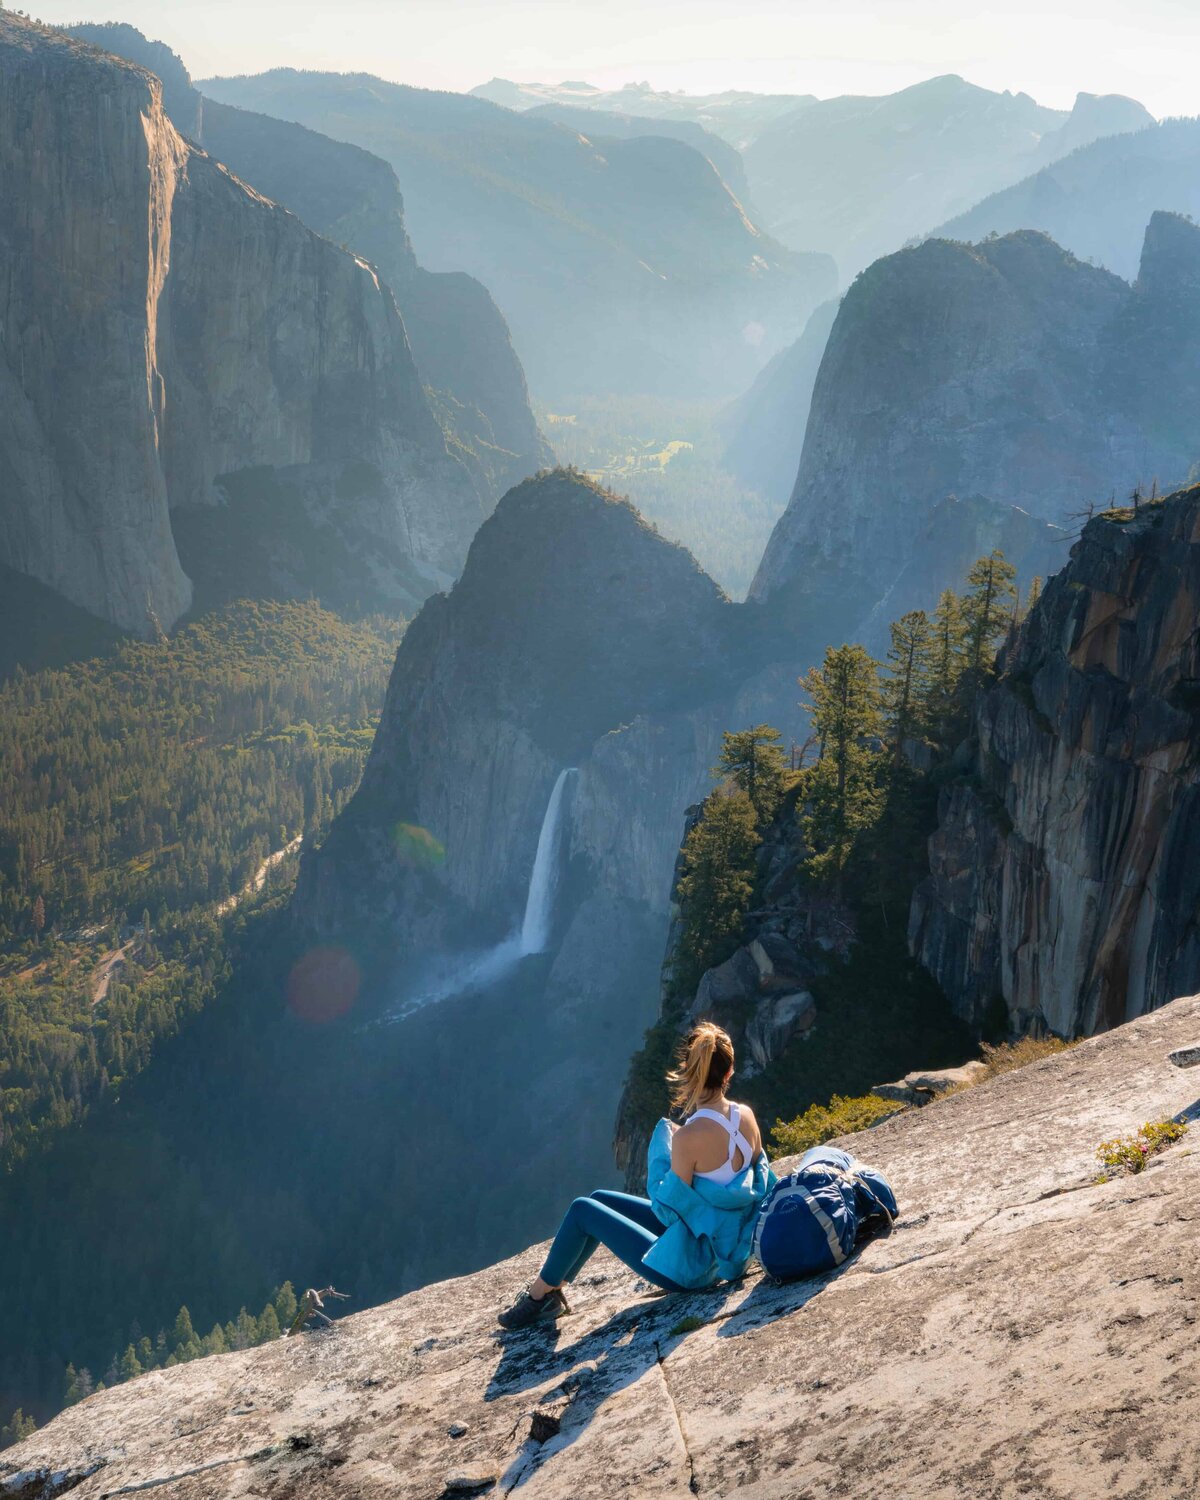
column 736, row 115
column 858, row 177
column 1095, row 201
column 627, row 266
column 592, row 122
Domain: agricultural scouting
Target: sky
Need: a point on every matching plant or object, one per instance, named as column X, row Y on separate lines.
column 1150, row 50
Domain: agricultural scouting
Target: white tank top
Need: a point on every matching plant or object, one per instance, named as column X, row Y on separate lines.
column 737, row 1142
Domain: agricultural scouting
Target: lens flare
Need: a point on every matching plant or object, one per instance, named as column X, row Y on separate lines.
column 323, row 985
column 417, row 846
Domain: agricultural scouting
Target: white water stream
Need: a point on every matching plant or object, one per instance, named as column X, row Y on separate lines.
column 476, row 971
column 547, row 865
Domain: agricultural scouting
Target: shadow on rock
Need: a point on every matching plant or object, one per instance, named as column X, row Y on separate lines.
column 595, row 1367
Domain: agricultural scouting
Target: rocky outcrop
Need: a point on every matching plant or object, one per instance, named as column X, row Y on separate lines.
column 218, row 360
column 621, row 266
column 1063, row 876
column 576, row 637
column 1023, row 1325
column 1007, row 370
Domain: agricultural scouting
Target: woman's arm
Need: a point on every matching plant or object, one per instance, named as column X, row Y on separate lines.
column 683, row 1157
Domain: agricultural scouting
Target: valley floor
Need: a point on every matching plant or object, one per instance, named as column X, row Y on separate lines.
column 1025, row 1330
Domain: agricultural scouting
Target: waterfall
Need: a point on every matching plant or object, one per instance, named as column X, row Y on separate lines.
column 459, row 973
column 543, row 883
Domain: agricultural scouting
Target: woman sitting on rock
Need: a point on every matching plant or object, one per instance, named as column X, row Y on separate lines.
column 705, row 1178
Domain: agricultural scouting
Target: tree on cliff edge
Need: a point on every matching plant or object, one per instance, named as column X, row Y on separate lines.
column 753, row 761
column 716, row 886
column 908, row 667
column 843, row 793
column 987, row 609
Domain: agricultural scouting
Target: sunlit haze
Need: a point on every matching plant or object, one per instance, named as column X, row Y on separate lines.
column 1150, row 51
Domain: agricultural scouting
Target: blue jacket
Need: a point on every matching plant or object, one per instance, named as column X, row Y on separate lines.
column 710, row 1226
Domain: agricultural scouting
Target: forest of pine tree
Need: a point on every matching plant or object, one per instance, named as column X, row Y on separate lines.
column 140, row 792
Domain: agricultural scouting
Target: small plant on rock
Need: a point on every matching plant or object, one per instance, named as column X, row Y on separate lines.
column 821, row 1122
column 1132, row 1153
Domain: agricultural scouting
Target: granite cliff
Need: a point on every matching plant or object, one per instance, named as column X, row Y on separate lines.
column 1007, row 372
column 458, row 337
column 1063, row 870
column 1023, row 1329
column 236, row 385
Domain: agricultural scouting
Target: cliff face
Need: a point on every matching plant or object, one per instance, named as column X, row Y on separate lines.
column 1063, row 874
column 1023, row 1328
column 83, row 251
column 225, row 364
column 459, row 338
column 1007, row 370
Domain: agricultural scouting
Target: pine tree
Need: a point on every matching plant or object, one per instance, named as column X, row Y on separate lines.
column 129, row 1365
column 17, row 1429
column 908, row 667
column 285, row 1304
column 38, row 917
column 947, row 645
column 753, row 761
column 842, row 789
column 718, row 881
column 184, row 1343
column 987, row 609
column 215, row 1341
column 268, row 1325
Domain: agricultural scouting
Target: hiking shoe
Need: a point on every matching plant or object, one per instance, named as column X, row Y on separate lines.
column 527, row 1310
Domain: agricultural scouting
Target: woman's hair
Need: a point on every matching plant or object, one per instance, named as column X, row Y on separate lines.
column 705, row 1059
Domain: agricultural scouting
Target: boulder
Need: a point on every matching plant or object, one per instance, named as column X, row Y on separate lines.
column 777, row 1019
column 920, row 1088
column 1024, row 1329
column 734, row 981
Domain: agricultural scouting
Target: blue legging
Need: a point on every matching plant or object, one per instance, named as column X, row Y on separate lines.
column 626, row 1225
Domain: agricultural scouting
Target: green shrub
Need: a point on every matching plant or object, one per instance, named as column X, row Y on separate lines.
column 820, row 1122
column 1009, row 1056
column 1132, row 1153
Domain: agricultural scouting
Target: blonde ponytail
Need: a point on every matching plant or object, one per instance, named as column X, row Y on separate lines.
column 702, row 1067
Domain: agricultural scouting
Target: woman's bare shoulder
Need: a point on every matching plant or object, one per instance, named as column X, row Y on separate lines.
column 749, row 1122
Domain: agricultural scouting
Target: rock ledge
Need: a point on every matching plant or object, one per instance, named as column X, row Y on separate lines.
column 1024, row 1330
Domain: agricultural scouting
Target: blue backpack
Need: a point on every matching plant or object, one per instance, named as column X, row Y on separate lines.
column 811, row 1219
